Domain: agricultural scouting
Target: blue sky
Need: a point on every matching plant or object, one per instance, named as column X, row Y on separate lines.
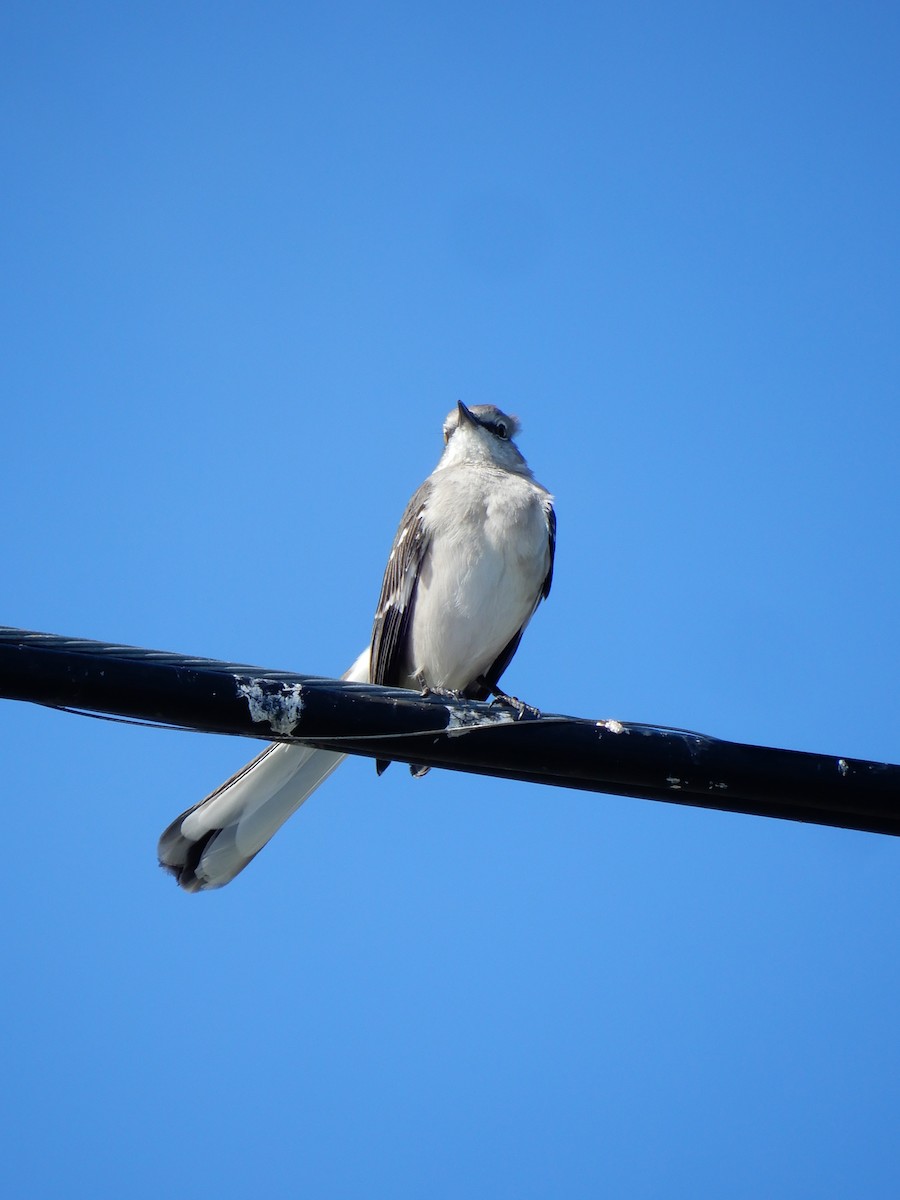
column 252, row 254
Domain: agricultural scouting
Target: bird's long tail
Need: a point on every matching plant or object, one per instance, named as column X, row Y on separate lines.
column 212, row 842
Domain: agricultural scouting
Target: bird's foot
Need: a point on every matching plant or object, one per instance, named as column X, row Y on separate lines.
column 519, row 707
column 441, row 693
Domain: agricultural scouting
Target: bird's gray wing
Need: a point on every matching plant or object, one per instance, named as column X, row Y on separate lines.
column 551, row 534
column 390, row 634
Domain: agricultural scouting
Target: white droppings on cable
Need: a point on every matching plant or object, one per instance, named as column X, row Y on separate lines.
column 461, row 721
column 281, row 709
column 612, row 726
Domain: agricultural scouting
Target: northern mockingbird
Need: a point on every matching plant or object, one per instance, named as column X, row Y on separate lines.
column 471, row 561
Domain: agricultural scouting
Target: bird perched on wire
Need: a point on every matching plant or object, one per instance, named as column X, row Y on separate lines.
column 472, row 559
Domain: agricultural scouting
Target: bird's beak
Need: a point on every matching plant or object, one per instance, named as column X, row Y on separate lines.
column 465, row 415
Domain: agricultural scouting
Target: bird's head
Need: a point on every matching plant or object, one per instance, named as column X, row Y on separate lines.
column 482, row 432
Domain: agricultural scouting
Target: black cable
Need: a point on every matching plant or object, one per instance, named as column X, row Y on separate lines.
column 656, row 763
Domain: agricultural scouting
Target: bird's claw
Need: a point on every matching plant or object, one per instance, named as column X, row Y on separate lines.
column 441, row 693
column 522, row 710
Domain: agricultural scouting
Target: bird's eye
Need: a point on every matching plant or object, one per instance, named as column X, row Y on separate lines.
column 502, row 430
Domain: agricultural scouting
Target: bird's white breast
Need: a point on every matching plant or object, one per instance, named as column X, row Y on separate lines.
column 482, row 576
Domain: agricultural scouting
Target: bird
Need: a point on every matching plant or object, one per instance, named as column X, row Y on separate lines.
column 471, row 561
